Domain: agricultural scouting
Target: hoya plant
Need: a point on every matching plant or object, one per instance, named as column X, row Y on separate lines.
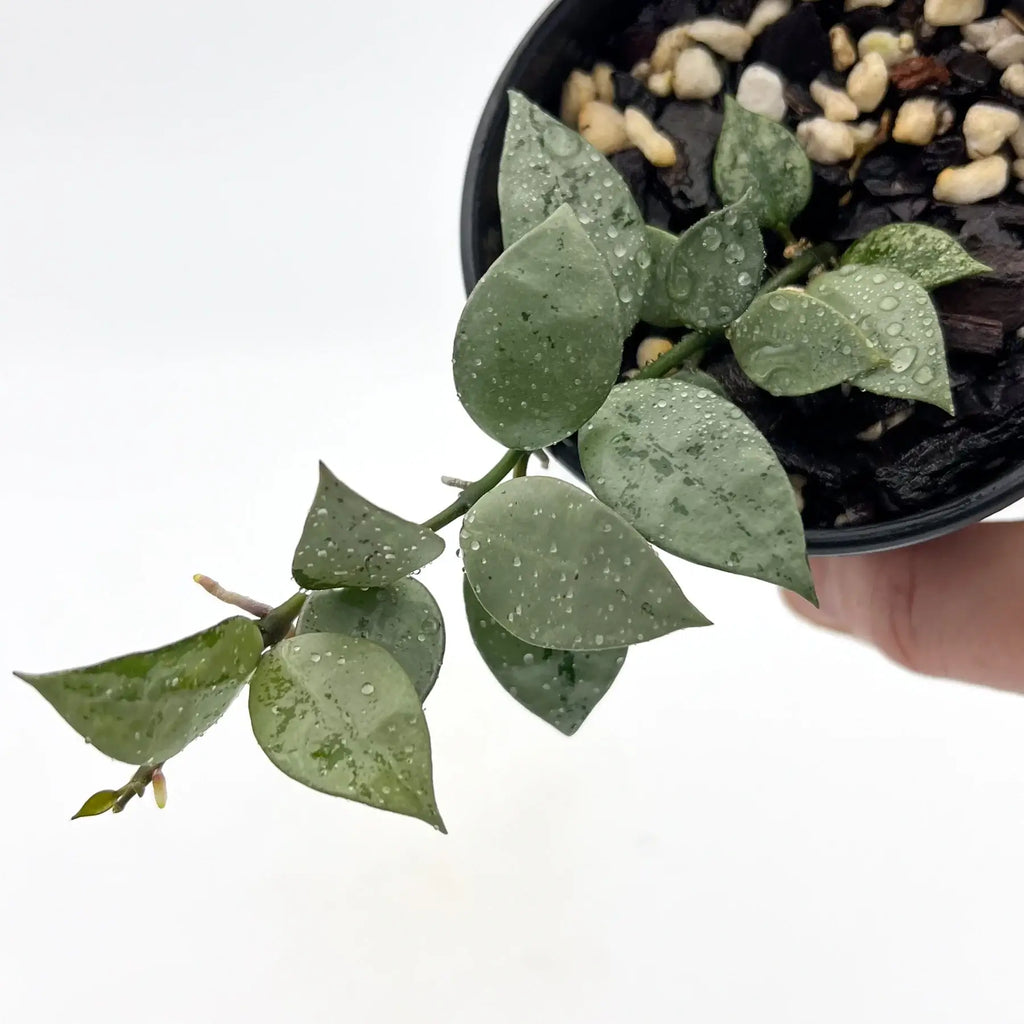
column 559, row 581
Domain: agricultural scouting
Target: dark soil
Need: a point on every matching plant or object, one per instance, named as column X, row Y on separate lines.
column 930, row 457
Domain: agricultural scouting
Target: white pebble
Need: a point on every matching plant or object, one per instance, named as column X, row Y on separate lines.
column 670, row 44
column 825, row 141
column 696, row 76
column 1012, row 79
column 604, row 127
column 855, row 5
column 766, row 13
column 983, row 35
column 987, row 126
column 1018, row 168
column 658, row 148
column 916, row 122
column 952, row 12
column 864, row 134
column 579, row 90
column 868, row 82
column 981, row 179
column 760, row 90
column 844, row 54
column 1017, row 141
column 724, row 37
column 641, row 70
column 603, row 82
column 1007, row 51
column 835, row 103
column 886, row 43
column 660, row 83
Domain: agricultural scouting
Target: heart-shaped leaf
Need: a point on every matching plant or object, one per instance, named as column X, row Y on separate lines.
column 145, row 708
column 896, row 312
column 538, row 346
column 697, row 479
column 659, row 308
column 349, row 542
column 404, row 619
column 340, row 715
column 790, row 343
column 928, row 255
column 757, row 154
column 545, row 164
column 702, row 379
column 717, row 266
column 557, row 568
column 561, row 687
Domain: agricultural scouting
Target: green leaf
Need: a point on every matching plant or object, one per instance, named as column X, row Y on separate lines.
column 893, row 310
column 545, row 164
column 404, row 619
column 145, row 708
column 717, row 266
column 928, row 255
column 697, row 479
column 561, row 687
column 558, row 569
column 659, row 308
column 790, row 343
column 349, row 542
column 98, row 803
column 538, row 346
column 702, row 379
column 339, row 715
column 757, row 154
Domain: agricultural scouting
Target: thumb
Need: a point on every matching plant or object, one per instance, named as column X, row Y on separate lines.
column 952, row 607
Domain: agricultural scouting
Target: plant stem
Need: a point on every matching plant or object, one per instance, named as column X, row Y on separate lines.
column 277, row 624
column 247, row 604
column 136, row 786
column 476, row 490
column 800, row 267
column 685, row 348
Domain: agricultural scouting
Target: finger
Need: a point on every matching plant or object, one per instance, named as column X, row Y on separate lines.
column 953, row 607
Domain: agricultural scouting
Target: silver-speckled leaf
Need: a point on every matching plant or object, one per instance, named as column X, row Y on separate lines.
column 144, row 708
column 717, row 266
column 340, row 715
column 659, row 308
column 790, row 343
column 404, row 619
column 928, row 255
column 557, row 568
column 896, row 312
column 697, row 479
column 561, row 687
column 757, row 154
column 539, row 347
column 545, row 164
column 349, row 542
column 701, row 378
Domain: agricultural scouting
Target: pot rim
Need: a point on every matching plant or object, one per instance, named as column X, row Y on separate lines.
column 948, row 517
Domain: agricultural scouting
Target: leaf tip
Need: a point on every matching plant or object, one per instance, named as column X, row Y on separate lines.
column 99, row 803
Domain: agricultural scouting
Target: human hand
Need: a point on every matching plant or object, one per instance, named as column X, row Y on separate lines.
column 952, row 607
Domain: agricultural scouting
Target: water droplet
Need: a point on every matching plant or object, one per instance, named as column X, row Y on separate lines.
column 744, row 280
column 474, row 545
column 366, row 689
column 711, row 239
column 889, row 303
column 904, row 359
column 734, row 253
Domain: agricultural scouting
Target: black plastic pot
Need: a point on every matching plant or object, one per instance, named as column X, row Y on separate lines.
column 567, row 36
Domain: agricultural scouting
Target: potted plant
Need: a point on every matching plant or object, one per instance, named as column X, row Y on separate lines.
column 561, row 582
column 888, row 101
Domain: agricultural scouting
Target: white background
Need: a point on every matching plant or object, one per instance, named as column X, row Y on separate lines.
column 228, row 247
